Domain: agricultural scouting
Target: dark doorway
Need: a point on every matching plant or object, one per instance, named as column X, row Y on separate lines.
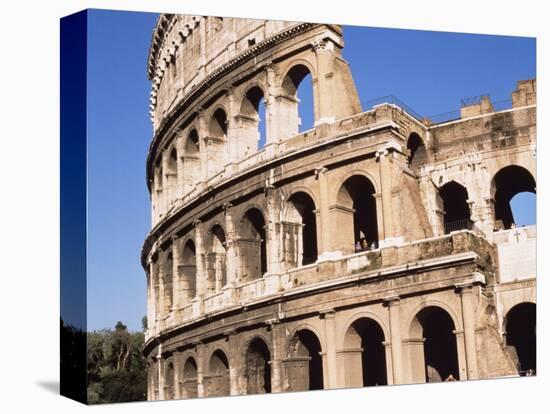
column 306, row 345
column 436, row 328
column 258, row 369
column 521, row 335
column 254, row 244
column 417, row 151
column 304, row 212
column 368, row 334
column 455, row 206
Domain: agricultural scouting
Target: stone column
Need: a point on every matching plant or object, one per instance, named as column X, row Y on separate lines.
column 203, row 147
column 325, row 223
column 160, row 372
column 150, row 296
column 323, row 93
column 201, row 368
column 230, row 253
column 180, row 168
column 383, row 158
column 272, row 229
column 271, row 112
column 233, row 365
column 330, row 340
column 177, row 375
column 176, row 285
column 468, row 320
column 161, row 300
column 395, row 333
column 278, row 336
column 200, row 276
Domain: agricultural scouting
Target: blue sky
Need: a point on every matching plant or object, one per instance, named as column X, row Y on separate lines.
column 429, row 71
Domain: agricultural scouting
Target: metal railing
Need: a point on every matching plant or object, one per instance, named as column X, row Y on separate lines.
column 390, row 99
column 455, row 225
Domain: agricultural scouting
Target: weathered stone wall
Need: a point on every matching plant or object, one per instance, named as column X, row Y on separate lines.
column 268, row 267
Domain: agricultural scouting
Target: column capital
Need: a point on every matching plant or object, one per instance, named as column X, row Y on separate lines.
column 381, row 153
column 200, row 112
column 392, row 300
column 174, row 237
column 196, row 223
column 320, row 170
column 227, row 207
column 465, row 287
column 327, row 313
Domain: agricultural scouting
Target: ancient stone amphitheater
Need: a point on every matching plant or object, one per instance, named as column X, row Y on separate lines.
column 375, row 248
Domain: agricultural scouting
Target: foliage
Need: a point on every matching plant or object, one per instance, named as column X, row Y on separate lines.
column 116, row 367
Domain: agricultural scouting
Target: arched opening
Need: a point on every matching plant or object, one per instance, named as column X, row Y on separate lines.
column 167, row 283
column 191, row 161
column 158, row 205
column 417, row 151
column 434, row 356
column 305, row 364
column 509, row 182
column 454, row 198
column 252, row 245
column 297, row 109
column 521, row 338
column 365, row 357
column 258, row 369
column 300, row 245
column 355, row 215
column 189, row 382
column 217, row 142
column 217, row 380
column 169, row 392
column 172, row 175
column 216, row 270
column 252, row 122
column 189, row 271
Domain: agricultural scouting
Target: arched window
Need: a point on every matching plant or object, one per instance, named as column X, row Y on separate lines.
column 169, row 391
column 454, row 200
column 521, row 337
column 190, row 378
column 417, row 151
column 433, row 350
column 252, row 245
column 217, row 380
column 216, row 270
column 356, row 216
column 191, row 161
column 252, row 122
column 305, row 362
column 172, row 175
column 217, row 147
column 365, row 344
column 514, row 190
column 300, row 245
column 298, row 106
column 258, row 369
column 189, row 271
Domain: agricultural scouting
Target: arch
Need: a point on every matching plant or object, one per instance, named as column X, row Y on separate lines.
column 189, row 378
column 294, row 89
column 304, row 365
column 300, row 226
column 365, row 362
column 188, row 270
column 355, row 214
column 418, row 155
column 453, row 200
column 432, row 345
column 218, row 124
column 169, row 391
column 252, row 120
column 521, row 340
column 191, row 160
column 258, row 368
column 217, row 380
column 216, row 259
column 252, row 245
column 506, row 184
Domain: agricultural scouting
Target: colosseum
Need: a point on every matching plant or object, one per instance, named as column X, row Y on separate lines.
column 377, row 247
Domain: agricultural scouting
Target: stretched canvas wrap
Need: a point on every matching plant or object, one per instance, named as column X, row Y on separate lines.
column 247, row 208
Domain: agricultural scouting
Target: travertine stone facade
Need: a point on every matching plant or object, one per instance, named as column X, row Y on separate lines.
column 375, row 248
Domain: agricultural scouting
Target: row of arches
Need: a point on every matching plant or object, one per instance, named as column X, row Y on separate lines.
column 250, row 129
column 432, row 344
